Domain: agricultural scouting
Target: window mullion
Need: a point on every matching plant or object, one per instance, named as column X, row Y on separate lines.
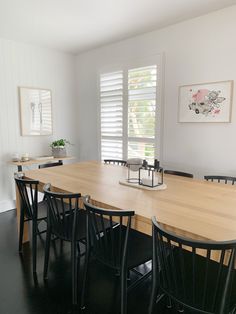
column 125, row 114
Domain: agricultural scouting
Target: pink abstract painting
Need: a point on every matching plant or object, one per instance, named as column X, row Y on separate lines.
column 209, row 102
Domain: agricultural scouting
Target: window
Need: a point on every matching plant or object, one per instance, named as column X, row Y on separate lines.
column 128, row 102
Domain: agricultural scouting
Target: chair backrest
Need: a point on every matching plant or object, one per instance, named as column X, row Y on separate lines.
column 219, row 179
column 179, row 173
column 62, row 212
column 186, row 272
column 51, row 164
column 28, row 191
column 108, row 233
column 115, row 162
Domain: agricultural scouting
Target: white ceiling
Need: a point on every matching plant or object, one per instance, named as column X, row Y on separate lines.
column 80, row 25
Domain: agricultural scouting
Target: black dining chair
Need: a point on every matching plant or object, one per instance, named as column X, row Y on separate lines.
column 115, row 162
column 67, row 222
column 219, row 179
column 194, row 275
column 179, row 173
column 119, row 247
column 30, row 210
column 51, row 164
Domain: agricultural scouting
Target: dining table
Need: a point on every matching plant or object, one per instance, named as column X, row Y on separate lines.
column 189, row 207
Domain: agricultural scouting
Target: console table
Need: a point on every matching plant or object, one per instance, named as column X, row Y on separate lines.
column 20, row 164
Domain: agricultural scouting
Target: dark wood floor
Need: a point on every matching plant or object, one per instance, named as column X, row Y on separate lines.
column 21, row 294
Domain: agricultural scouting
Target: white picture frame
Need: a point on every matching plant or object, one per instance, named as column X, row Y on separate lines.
column 206, row 102
column 35, row 111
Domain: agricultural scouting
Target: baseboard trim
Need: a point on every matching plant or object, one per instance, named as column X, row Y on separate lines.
column 7, row 205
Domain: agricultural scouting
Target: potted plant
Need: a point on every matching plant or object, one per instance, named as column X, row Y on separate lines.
column 59, row 148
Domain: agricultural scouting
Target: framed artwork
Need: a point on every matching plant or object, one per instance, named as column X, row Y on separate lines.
column 35, row 111
column 208, row 102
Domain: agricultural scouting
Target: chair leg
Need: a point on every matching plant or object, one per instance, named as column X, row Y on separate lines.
column 34, row 244
column 47, row 253
column 169, row 305
column 21, row 231
column 180, row 309
column 233, row 311
column 128, row 275
column 123, row 279
column 74, row 264
column 153, row 297
column 85, row 274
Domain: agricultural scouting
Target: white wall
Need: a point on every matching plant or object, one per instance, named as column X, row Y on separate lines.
column 25, row 65
column 198, row 50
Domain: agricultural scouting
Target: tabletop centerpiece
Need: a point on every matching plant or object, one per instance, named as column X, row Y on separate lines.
column 151, row 175
column 140, row 173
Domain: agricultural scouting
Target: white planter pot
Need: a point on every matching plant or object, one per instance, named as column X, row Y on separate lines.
column 59, row 152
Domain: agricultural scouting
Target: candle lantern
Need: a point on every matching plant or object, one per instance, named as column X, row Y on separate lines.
column 151, row 176
column 133, row 165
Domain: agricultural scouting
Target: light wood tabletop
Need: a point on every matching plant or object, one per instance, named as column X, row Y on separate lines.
column 194, row 208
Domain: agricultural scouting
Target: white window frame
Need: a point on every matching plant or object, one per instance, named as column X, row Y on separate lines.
column 125, row 66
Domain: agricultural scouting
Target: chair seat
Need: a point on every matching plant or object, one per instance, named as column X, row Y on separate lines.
column 139, row 248
column 67, row 229
column 81, row 226
column 200, row 264
column 42, row 210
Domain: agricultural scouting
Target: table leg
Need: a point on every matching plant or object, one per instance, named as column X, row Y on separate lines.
column 19, row 168
column 26, row 231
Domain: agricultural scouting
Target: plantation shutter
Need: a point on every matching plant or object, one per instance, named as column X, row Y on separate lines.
column 111, row 101
column 142, row 84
